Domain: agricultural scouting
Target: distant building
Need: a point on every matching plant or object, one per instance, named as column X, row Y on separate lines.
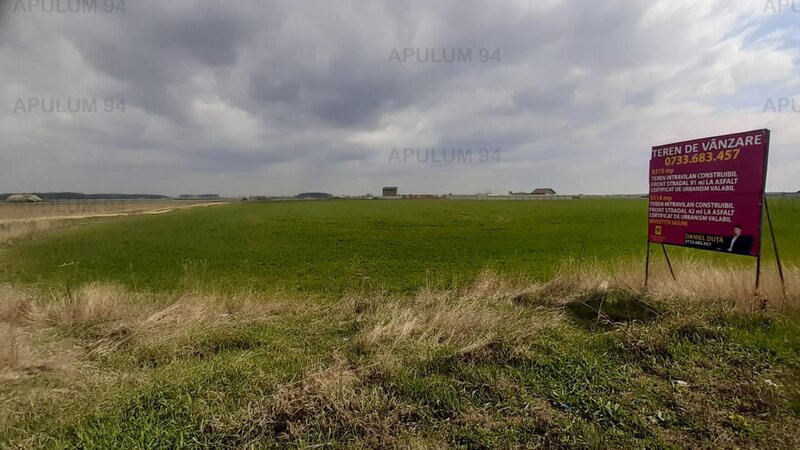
column 390, row 191
column 539, row 191
column 314, row 196
column 422, row 196
column 23, row 198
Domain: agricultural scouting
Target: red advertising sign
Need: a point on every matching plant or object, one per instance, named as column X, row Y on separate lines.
column 708, row 193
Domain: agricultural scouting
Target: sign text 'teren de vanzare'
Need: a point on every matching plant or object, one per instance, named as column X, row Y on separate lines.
column 708, row 193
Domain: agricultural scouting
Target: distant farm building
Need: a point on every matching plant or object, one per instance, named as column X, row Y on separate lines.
column 23, row 198
column 390, row 191
column 314, row 196
column 539, row 191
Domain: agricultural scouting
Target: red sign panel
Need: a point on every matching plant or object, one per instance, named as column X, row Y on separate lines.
column 708, row 193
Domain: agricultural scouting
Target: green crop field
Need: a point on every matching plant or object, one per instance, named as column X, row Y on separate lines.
column 394, row 324
column 328, row 247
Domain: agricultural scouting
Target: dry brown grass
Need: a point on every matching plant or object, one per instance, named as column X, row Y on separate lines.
column 349, row 402
column 113, row 317
column 489, row 312
column 494, row 309
column 498, row 318
column 22, row 230
column 698, row 284
column 355, row 401
column 86, row 208
column 9, row 211
column 468, row 319
column 28, row 317
column 26, row 220
column 172, row 323
column 9, row 351
column 339, row 401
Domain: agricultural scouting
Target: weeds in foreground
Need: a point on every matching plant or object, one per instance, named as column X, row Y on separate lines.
column 23, row 230
column 589, row 359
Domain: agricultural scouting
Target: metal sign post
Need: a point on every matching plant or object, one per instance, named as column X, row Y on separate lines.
column 647, row 265
column 765, row 211
column 761, row 209
column 669, row 264
column 775, row 249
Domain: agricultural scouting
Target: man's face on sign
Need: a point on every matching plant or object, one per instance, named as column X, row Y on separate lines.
column 737, row 231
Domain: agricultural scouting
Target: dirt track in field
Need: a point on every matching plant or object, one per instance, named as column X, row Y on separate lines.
column 140, row 209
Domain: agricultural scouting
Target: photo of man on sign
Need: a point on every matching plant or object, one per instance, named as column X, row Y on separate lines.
column 738, row 244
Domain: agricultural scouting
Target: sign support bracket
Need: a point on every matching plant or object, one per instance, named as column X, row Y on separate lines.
column 647, row 265
column 669, row 263
column 775, row 249
column 758, row 272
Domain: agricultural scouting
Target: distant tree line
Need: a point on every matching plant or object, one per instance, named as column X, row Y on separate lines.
column 185, row 196
column 303, row 196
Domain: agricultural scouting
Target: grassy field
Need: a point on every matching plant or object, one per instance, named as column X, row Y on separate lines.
column 330, row 247
column 413, row 324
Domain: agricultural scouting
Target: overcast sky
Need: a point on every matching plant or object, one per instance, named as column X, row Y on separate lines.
column 279, row 97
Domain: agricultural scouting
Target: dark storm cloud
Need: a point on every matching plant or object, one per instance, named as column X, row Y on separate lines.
column 155, row 50
column 341, row 96
column 215, row 160
column 235, row 93
column 5, row 8
column 210, row 39
column 550, row 99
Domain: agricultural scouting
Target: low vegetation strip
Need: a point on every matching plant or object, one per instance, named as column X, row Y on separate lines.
column 588, row 359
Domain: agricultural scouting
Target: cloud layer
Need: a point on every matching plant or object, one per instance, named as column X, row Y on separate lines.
column 277, row 97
